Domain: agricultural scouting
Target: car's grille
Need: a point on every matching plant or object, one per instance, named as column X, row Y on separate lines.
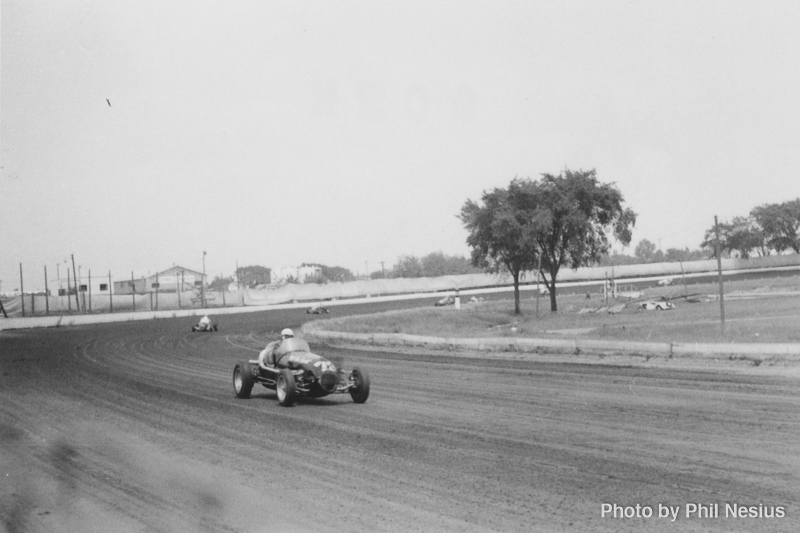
column 328, row 381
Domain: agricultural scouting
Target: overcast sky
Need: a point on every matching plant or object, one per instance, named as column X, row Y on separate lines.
column 349, row 133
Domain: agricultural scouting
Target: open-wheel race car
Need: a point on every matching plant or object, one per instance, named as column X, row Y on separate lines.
column 205, row 324
column 293, row 371
column 317, row 309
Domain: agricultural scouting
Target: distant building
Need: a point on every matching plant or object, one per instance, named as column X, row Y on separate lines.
column 294, row 274
column 94, row 285
column 169, row 280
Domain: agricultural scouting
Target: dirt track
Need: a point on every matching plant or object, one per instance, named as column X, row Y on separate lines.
column 134, row 427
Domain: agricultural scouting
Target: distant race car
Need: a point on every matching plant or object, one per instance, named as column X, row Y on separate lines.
column 665, row 281
column 317, row 309
column 205, row 325
column 656, row 306
column 447, row 300
column 293, row 371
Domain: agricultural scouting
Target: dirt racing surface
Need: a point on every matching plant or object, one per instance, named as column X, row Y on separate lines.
column 134, row 427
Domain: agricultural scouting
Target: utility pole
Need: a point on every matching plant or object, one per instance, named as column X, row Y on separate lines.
column 719, row 271
column 203, row 285
column 77, row 287
column 366, row 269
column 46, row 294
column 69, row 290
column 81, row 292
column 110, row 294
column 21, row 291
column 383, row 270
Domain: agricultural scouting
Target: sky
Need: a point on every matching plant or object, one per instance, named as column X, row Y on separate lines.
column 135, row 136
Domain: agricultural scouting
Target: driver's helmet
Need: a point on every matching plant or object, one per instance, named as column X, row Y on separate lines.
column 287, row 333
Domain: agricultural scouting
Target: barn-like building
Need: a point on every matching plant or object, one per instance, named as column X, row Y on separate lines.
column 169, row 280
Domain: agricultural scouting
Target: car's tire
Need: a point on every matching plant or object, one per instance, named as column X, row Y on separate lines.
column 215, row 327
column 194, row 328
column 243, row 380
column 285, row 388
column 360, row 390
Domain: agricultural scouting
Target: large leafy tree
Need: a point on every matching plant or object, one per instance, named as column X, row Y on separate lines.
column 780, row 224
column 741, row 234
column 565, row 220
column 501, row 233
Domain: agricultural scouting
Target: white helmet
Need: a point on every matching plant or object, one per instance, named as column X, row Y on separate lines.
column 287, row 333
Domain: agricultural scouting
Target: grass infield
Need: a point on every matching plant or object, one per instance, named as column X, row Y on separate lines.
column 756, row 311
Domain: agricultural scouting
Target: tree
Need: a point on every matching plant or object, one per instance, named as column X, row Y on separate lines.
column 408, row 266
column 742, row 235
column 565, row 219
column 250, row 276
column 501, row 233
column 644, row 251
column 220, row 283
column 329, row 274
column 780, row 224
column 676, row 255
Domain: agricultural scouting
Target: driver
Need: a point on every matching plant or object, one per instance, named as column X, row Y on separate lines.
column 204, row 324
column 267, row 356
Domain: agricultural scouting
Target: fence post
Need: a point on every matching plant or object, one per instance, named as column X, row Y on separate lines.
column 21, row 291
column 133, row 292
column 110, row 293
column 77, row 287
column 90, row 290
column 46, row 294
column 69, row 296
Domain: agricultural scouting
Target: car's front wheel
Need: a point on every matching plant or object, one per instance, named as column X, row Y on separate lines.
column 360, row 389
column 285, row 388
column 243, row 380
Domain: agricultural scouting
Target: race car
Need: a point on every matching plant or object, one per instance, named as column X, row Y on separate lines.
column 205, row 324
column 317, row 309
column 656, row 306
column 293, row 371
column 447, row 300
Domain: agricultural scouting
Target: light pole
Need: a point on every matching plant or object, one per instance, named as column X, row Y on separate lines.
column 203, row 285
column 80, row 294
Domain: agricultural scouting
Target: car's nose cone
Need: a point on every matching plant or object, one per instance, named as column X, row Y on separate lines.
column 328, row 381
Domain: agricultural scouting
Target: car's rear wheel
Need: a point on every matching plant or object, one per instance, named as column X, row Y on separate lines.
column 243, row 380
column 285, row 388
column 360, row 389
